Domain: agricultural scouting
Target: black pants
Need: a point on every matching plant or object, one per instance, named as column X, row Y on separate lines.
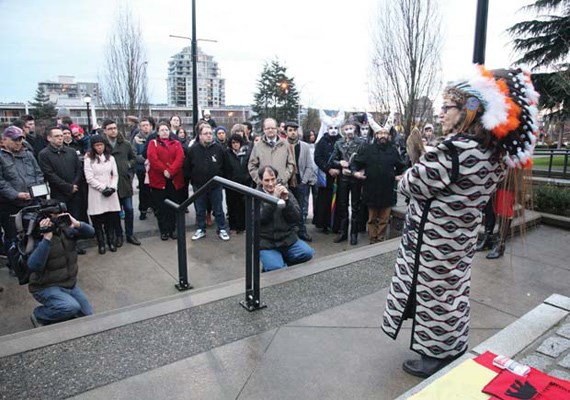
column 348, row 186
column 106, row 222
column 236, row 210
column 165, row 215
column 145, row 198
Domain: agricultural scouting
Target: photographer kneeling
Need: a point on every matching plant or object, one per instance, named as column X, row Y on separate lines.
column 53, row 267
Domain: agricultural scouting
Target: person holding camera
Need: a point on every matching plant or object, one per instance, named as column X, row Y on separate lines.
column 103, row 202
column 19, row 171
column 278, row 241
column 53, row 267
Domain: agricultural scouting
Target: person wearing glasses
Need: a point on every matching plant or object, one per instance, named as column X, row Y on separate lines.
column 271, row 150
column 18, row 171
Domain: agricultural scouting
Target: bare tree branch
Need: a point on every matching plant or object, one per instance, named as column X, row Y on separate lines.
column 406, row 65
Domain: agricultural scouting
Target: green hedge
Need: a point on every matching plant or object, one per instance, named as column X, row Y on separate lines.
column 552, row 199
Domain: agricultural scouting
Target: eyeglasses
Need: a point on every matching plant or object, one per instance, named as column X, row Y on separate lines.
column 446, row 108
column 269, row 128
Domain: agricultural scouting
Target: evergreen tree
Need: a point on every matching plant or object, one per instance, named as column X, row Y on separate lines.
column 43, row 108
column 546, row 40
column 277, row 96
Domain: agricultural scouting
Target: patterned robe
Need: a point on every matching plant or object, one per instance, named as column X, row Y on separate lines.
column 448, row 188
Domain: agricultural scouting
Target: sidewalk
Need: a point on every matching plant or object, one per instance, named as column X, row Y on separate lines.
column 319, row 338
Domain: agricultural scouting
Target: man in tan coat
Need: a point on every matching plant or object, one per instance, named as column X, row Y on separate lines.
column 271, row 150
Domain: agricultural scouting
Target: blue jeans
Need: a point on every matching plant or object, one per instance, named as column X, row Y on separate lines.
column 299, row 252
column 127, row 204
column 60, row 304
column 214, row 196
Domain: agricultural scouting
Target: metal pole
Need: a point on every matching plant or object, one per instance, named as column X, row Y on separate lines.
column 88, row 120
column 194, row 71
column 480, row 32
column 252, row 300
column 183, row 283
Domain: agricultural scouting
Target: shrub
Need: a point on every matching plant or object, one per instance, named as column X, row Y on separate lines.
column 552, row 199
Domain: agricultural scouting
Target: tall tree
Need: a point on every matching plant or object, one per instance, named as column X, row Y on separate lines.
column 406, row 63
column 125, row 83
column 43, row 109
column 312, row 120
column 544, row 44
column 277, row 96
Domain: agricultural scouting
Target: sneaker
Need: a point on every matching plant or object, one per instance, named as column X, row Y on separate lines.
column 199, row 234
column 223, row 234
column 36, row 322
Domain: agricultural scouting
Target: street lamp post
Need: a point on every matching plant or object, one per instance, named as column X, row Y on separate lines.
column 87, row 100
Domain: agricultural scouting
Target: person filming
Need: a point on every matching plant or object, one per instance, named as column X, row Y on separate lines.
column 53, row 267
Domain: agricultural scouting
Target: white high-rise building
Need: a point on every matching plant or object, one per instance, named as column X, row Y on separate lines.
column 211, row 87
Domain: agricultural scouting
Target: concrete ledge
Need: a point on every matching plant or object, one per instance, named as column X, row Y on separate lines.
column 558, row 221
column 513, row 339
column 49, row 335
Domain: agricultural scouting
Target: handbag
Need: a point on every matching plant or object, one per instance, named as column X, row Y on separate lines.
column 322, row 176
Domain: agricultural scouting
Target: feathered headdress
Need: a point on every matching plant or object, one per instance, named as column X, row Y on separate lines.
column 507, row 104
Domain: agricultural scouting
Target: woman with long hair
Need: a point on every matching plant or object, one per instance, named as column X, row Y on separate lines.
column 489, row 124
column 103, row 204
column 165, row 156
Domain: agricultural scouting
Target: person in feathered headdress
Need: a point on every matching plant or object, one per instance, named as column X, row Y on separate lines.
column 490, row 123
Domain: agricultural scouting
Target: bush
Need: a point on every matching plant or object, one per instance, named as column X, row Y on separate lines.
column 552, row 199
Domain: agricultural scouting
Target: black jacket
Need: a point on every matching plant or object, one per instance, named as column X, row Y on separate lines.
column 62, row 169
column 125, row 158
column 235, row 166
column 203, row 163
column 277, row 225
column 323, row 155
column 381, row 164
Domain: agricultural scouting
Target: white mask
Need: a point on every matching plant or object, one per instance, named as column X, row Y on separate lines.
column 364, row 130
column 333, row 130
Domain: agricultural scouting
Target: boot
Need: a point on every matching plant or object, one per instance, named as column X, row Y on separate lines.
column 111, row 240
column 499, row 248
column 353, row 232
column 342, row 233
column 427, row 366
column 485, row 242
column 100, row 235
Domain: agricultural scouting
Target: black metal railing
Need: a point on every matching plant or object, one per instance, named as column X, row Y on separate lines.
column 253, row 199
column 550, row 170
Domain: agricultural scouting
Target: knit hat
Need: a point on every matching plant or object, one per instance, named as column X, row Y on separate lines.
column 220, row 128
column 505, row 102
column 13, row 132
column 76, row 128
column 96, row 139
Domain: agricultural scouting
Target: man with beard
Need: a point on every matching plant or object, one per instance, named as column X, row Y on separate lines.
column 323, row 156
column 344, row 152
column 379, row 165
column 303, row 174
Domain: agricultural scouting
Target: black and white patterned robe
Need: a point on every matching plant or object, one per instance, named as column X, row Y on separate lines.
column 448, row 188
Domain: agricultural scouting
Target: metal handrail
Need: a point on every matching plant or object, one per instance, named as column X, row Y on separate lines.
column 551, row 153
column 253, row 202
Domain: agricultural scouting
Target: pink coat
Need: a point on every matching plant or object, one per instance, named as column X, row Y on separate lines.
column 101, row 173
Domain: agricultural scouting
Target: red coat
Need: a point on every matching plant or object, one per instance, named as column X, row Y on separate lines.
column 165, row 154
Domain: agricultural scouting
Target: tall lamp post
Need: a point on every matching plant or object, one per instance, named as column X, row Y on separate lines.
column 480, row 32
column 87, row 100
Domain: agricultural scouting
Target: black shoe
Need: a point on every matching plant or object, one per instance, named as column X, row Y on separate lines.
column 80, row 251
column 142, row 217
column 173, row 235
column 164, row 236
column 485, row 243
column 341, row 237
column 119, row 241
column 426, row 366
column 326, row 230
column 112, row 247
column 354, row 239
column 133, row 240
column 497, row 251
column 102, row 249
column 305, row 237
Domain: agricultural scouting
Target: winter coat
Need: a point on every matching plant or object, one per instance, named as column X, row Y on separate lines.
column 305, row 164
column 125, row 158
column 235, row 166
column 381, row 164
column 345, row 151
column 323, row 155
column 277, row 156
column 139, row 144
column 62, row 169
column 100, row 174
column 447, row 188
column 17, row 173
column 277, row 225
column 165, row 154
column 203, row 163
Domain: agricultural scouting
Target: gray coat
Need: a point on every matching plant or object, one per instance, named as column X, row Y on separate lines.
column 17, row 173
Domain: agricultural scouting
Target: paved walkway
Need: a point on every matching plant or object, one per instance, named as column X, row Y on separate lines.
column 319, row 338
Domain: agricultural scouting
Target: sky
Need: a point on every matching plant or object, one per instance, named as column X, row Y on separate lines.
column 326, row 46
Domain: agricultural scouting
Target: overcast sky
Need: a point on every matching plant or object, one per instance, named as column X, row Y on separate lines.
column 325, row 45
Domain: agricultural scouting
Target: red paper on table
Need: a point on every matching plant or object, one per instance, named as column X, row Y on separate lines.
column 536, row 385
